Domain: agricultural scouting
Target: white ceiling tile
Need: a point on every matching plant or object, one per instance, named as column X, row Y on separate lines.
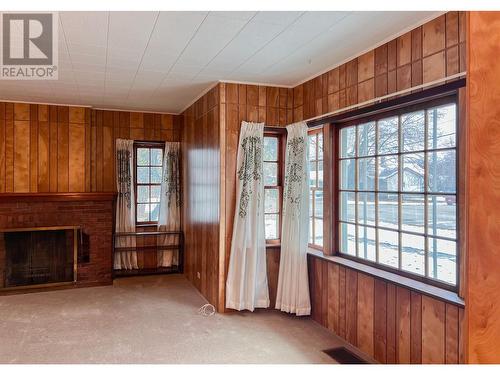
column 244, row 16
column 130, row 30
column 173, row 31
column 85, row 27
column 86, row 49
column 278, row 18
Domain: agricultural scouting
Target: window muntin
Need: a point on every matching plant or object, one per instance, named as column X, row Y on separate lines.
column 316, row 188
column 398, row 192
column 148, row 174
column 272, row 187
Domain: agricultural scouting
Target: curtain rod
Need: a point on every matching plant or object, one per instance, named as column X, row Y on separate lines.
column 314, row 121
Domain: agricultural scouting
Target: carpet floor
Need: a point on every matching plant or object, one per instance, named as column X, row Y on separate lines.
column 151, row 319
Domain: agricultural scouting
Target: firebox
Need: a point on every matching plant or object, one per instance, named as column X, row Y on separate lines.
column 37, row 257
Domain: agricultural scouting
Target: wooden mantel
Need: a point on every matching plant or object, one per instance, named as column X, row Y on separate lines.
column 56, row 197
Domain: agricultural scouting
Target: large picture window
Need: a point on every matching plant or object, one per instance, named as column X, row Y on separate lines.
column 316, row 188
column 398, row 190
column 148, row 172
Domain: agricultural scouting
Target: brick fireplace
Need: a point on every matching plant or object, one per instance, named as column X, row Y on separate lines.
column 93, row 213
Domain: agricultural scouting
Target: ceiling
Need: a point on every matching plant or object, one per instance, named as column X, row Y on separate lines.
column 163, row 61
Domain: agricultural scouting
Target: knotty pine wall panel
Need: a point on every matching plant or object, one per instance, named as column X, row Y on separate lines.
column 432, row 51
column 390, row 323
column 47, row 148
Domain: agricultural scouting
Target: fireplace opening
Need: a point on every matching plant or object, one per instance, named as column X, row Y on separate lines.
column 38, row 256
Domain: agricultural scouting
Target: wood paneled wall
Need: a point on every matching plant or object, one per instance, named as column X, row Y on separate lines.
column 432, row 51
column 201, row 160
column 107, row 126
column 390, row 323
column 482, row 297
column 46, row 148
column 43, row 148
column 240, row 102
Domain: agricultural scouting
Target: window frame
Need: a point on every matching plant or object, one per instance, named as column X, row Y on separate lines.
column 312, row 189
column 447, row 98
column 281, row 138
column 150, row 145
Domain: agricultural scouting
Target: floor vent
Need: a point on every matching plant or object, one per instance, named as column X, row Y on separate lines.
column 344, row 356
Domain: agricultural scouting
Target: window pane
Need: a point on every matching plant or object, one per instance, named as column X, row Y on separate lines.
column 388, row 210
column 347, row 209
column 312, row 146
column 155, row 209
column 366, row 208
column 318, row 203
column 155, row 175
column 143, row 156
column 366, row 139
column 310, row 203
column 442, row 126
column 143, row 194
column 388, row 136
column 271, row 201
column 320, row 174
column 412, row 253
column 388, row 247
column 442, row 171
column 318, row 232
column 143, row 175
column 311, row 239
column 366, row 243
column 320, row 146
column 412, row 212
column 272, row 222
column 413, row 172
column 348, row 239
column 442, row 215
column 413, row 131
column 366, row 174
column 347, row 142
column 442, row 261
column 388, row 173
column 347, row 174
column 142, row 212
column 270, row 174
column 156, row 156
column 270, row 148
column 155, row 193
column 312, row 174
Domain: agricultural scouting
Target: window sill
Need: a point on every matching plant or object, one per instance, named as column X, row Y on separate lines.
column 146, row 225
column 430, row 290
column 273, row 245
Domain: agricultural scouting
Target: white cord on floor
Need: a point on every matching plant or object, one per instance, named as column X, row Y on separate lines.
column 207, row 310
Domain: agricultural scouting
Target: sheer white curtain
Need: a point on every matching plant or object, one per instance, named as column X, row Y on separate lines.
column 293, row 285
column 125, row 205
column 170, row 205
column 246, row 285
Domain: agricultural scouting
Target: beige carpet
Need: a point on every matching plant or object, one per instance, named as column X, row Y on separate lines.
column 150, row 319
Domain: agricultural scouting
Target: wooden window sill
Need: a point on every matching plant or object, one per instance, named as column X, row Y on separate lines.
column 273, row 245
column 430, row 290
column 146, row 225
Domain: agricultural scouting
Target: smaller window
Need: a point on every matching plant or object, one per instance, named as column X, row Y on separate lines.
column 316, row 188
column 148, row 172
column 272, row 187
